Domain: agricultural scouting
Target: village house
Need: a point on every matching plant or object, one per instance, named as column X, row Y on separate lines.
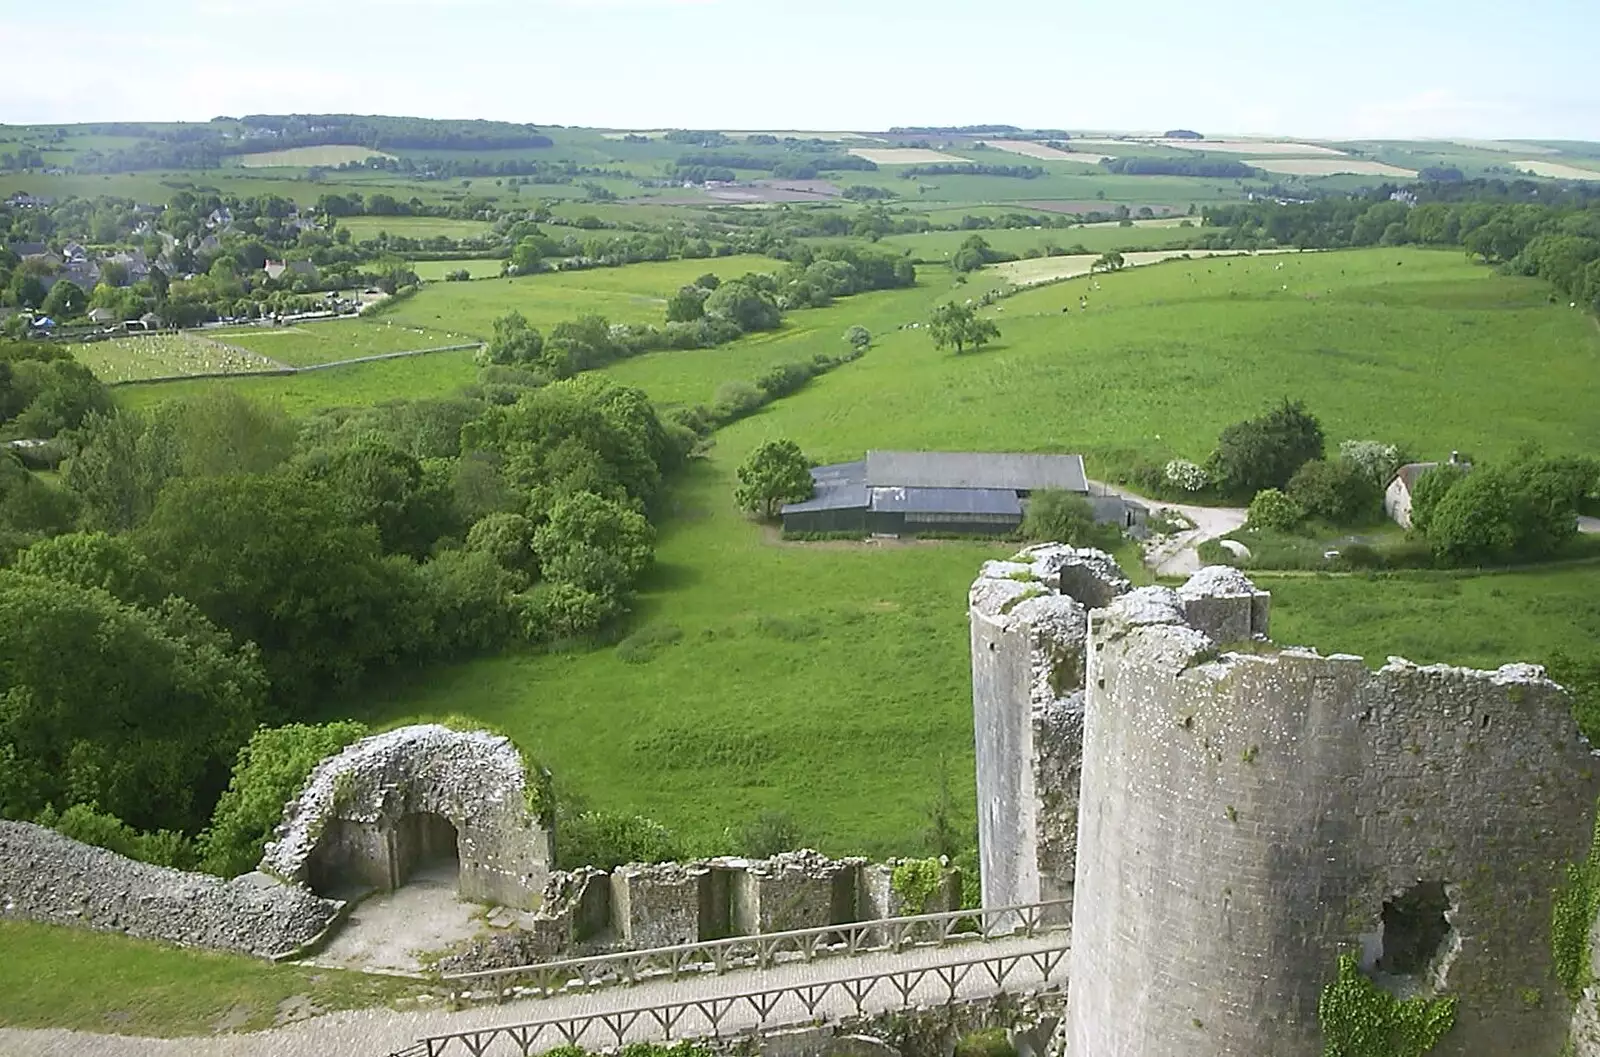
column 1397, row 497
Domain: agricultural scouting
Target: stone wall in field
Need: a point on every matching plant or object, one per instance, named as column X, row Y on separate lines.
column 50, row 878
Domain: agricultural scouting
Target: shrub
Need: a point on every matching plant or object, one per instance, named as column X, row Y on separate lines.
column 858, row 336
column 1059, row 516
column 991, row 1042
column 608, row 839
column 1185, row 475
column 1271, row 509
column 737, row 399
column 270, row 770
column 1265, row 452
column 768, row 834
column 83, row 823
column 1430, row 488
column 1375, row 460
column 1337, row 492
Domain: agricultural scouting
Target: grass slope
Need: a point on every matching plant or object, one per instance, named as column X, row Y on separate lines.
column 59, row 977
column 831, row 681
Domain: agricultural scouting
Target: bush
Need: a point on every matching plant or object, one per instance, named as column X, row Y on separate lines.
column 83, row 823
column 1185, row 475
column 1430, row 489
column 991, row 1042
column 1375, row 460
column 771, row 832
column 1265, row 452
column 737, row 399
column 608, row 839
column 271, row 769
column 1337, row 492
column 1058, row 516
column 859, row 337
column 1271, row 509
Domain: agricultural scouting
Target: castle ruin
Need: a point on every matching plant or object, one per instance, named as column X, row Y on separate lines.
column 1229, row 818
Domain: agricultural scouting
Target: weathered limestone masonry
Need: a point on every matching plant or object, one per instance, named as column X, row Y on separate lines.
column 388, row 802
column 639, row 906
column 1246, row 817
column 1029, row 619
column 47, row 877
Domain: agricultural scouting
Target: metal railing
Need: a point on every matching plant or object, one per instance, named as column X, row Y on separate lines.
column 760, row 951
column 750, row 1010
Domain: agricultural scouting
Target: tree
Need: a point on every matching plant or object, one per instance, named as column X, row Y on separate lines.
column 1271, row 509
column 594, row 543
column 508, row 540
column 973, row 253
column 1265, row 452
column 528, row 257
column 65, row 300
column 1107, row 262
column 274, row 559
column 747, row 306
column 1058, row 516
column 94, row 560
column 687, row 305
column 134, row 710
column 859, row 337
column 271, row 768
column 513, row 341
column 1431, row 487
column 1337, row 492
column 959, row 325
column 775, row 473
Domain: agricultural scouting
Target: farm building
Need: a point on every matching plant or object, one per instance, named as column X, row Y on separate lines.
column 894, row 493
column 1397, row 497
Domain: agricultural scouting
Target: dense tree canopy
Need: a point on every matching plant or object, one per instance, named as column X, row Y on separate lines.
column 1265, row 452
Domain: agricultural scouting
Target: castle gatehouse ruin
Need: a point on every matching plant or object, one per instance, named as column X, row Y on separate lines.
column 392, row 803
column 1229, row 818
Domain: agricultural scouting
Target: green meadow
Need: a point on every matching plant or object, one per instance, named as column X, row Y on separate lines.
column 308, row 344
column 480, row 268
column 363, row 228
column 829, row 681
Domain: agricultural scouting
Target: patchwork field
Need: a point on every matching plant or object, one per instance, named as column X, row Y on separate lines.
column 435, row 271
column 363, row 228
column 1330, row 167
column 635, row 294
column 301, row 157
column 841, row 688
column 1038, row 270
column 308, row 344
column 1557, row 170
column 1032, row 149
column 166, row 355
column 905, row 155
column 1253, row 147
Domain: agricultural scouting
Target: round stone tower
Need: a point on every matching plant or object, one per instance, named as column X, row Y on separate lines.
column 1248, row 817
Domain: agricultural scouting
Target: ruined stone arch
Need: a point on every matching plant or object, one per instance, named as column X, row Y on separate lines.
column 372, row 813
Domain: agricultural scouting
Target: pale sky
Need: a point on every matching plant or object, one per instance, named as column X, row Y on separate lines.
column 1341, row 68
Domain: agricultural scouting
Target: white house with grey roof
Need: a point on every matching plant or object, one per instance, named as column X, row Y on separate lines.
column 895, row 493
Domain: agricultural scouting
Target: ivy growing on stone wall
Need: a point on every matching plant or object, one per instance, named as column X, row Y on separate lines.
column 1360, row 1019
column 915, row 881
column 1576, row 905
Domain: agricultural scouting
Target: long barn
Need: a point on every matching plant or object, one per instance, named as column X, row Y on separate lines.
column 907, row 493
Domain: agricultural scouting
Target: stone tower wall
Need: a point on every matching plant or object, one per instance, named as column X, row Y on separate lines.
column 1029, row 618
column 1245, row 817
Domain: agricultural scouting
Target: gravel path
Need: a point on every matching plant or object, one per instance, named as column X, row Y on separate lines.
column 1177, row 555
column 376, row 1032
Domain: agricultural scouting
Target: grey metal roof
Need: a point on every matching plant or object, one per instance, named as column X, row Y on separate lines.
column 841, row 486
column 970, row 469
column 998, row 501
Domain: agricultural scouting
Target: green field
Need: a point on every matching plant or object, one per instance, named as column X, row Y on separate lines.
column 634, row 294
column 166, row 355
column 363, row 228
column 303, row 157
column 435, row 271
column 830, row 681
column 306, row 344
